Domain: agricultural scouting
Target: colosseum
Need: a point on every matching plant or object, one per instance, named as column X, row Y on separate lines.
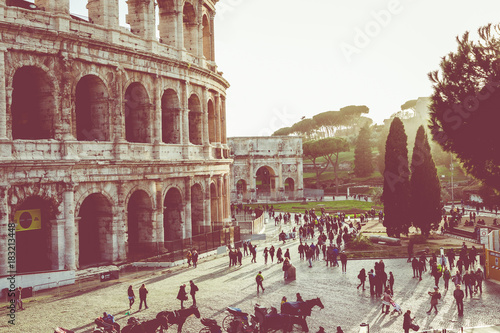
column 112, row 140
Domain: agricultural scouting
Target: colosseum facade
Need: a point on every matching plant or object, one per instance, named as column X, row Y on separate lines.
column 115, row 137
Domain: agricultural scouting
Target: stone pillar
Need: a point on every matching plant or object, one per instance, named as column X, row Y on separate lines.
column 69, row 227
column 220, row 210
column 160, row 235
column 57, row 230
column 168, row 25
column 223, row 120
column 199, row 9
column 188, row 222
column 54, row 6
column 141, row 17
column 104, row 12
column 212, row 38
column 157, row 118
column 5, row 239
column 3, row 97
column 217, row 118
column 185, row 120
column 207, row 204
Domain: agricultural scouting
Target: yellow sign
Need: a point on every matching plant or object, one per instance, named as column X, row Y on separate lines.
column 28, row 219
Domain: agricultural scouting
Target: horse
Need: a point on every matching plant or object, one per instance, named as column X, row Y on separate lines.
column 275, row 321
column 302, row 309
column 178, row 317
column 149, row 326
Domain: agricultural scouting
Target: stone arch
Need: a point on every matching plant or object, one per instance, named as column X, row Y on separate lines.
column 265, row 180
column 212, row 119
column 137, row 114
column 95, row 230
column 214, row 206
column 207, row 38
column 170, row 117
column 241, row 189
column 190, row 24
column 92, row 109
column 172, row 215
column 289, row 187
column 197, row 209
column 195, row 120
column 34, row 246
column 140, row 223
column 33, row 105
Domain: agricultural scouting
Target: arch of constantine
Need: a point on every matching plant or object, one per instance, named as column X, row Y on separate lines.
column 266, row 168
column 113, row 140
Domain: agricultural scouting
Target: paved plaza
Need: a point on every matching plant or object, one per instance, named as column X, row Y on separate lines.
column 221, row 286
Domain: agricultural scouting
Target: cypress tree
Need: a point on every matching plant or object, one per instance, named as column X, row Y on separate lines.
column 425, row 188
column 396, row 193
column 363, row 161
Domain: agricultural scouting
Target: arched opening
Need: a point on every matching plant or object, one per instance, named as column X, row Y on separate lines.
column 95, row 232
column 140, row 224
column 137, row 115
column 167, row 21
column 265, row 181
column 211, row 122
column 170, row 114
column 207, row 39
column 33, row 105
column 197, row 209
column 190, row 28
column 195, row 120
column 91, row 110
column 34, row 235
column 172, row 215
column 214, row 207
column 241, row 189
column 289, row 188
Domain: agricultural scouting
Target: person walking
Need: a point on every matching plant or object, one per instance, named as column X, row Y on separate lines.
column 287, row 254
column 143, row 293
column 239, row 256
column 18, row 293
column 391, row 283
column 446, row 277
column 459, row 298
column 253, row 252
column 362, row 278
column 415, row 264
column 435, row 296
column 189, row 257
column 131, row 297
column 195, row 258
column 479, row 280
column 467, row 280
column 343, row 260
column 182, row 295
column 371, row 279
column 271, row 253
column 386, row 301
column 407, row 321
column 266, row 253
column 192, row 290
column 259, row 278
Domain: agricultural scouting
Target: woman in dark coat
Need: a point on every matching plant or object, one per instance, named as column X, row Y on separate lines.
column 362, row 278
column 182, row 295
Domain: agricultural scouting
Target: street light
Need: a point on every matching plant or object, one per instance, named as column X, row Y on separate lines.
column 452, row 197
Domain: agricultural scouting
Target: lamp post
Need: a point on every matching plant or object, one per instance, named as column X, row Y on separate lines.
column 452, row 197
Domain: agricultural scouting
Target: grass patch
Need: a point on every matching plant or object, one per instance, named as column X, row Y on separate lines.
column 348, row 206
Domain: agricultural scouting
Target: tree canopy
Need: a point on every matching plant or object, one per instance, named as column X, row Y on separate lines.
column 465, row 108
column 363, row 160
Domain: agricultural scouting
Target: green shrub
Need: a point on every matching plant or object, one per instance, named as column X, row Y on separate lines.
column 360, row 243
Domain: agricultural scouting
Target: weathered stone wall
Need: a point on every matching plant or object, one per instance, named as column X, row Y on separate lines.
column 257, row 160
column 95, row 129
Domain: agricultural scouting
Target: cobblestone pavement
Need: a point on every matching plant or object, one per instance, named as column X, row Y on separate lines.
column 221, row 286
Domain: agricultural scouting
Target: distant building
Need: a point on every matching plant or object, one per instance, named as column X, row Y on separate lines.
column 266, row 168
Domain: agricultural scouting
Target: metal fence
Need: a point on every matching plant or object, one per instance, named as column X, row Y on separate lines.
column 170, row 251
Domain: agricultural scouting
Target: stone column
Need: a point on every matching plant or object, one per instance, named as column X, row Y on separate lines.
column 185, row 121
column 207, row 204
column 220, row 197
column 212, row 38
column 199, row 9
column 54, row 6
column 188, row 222
column 217, row 119
column 5, row 239
column 205, row 139
column 3, row 97
column 119, row 236
column 57, row 230
column 141, row 17
column 104, row 12
column 70, row 229
column 157, row 118
column 180, row 29
column 160, row 234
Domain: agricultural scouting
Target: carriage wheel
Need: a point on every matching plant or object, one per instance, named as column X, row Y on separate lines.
column 205, row 330
column 226, row 322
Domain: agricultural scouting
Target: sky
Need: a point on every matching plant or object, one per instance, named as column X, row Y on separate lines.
column 288, row 59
